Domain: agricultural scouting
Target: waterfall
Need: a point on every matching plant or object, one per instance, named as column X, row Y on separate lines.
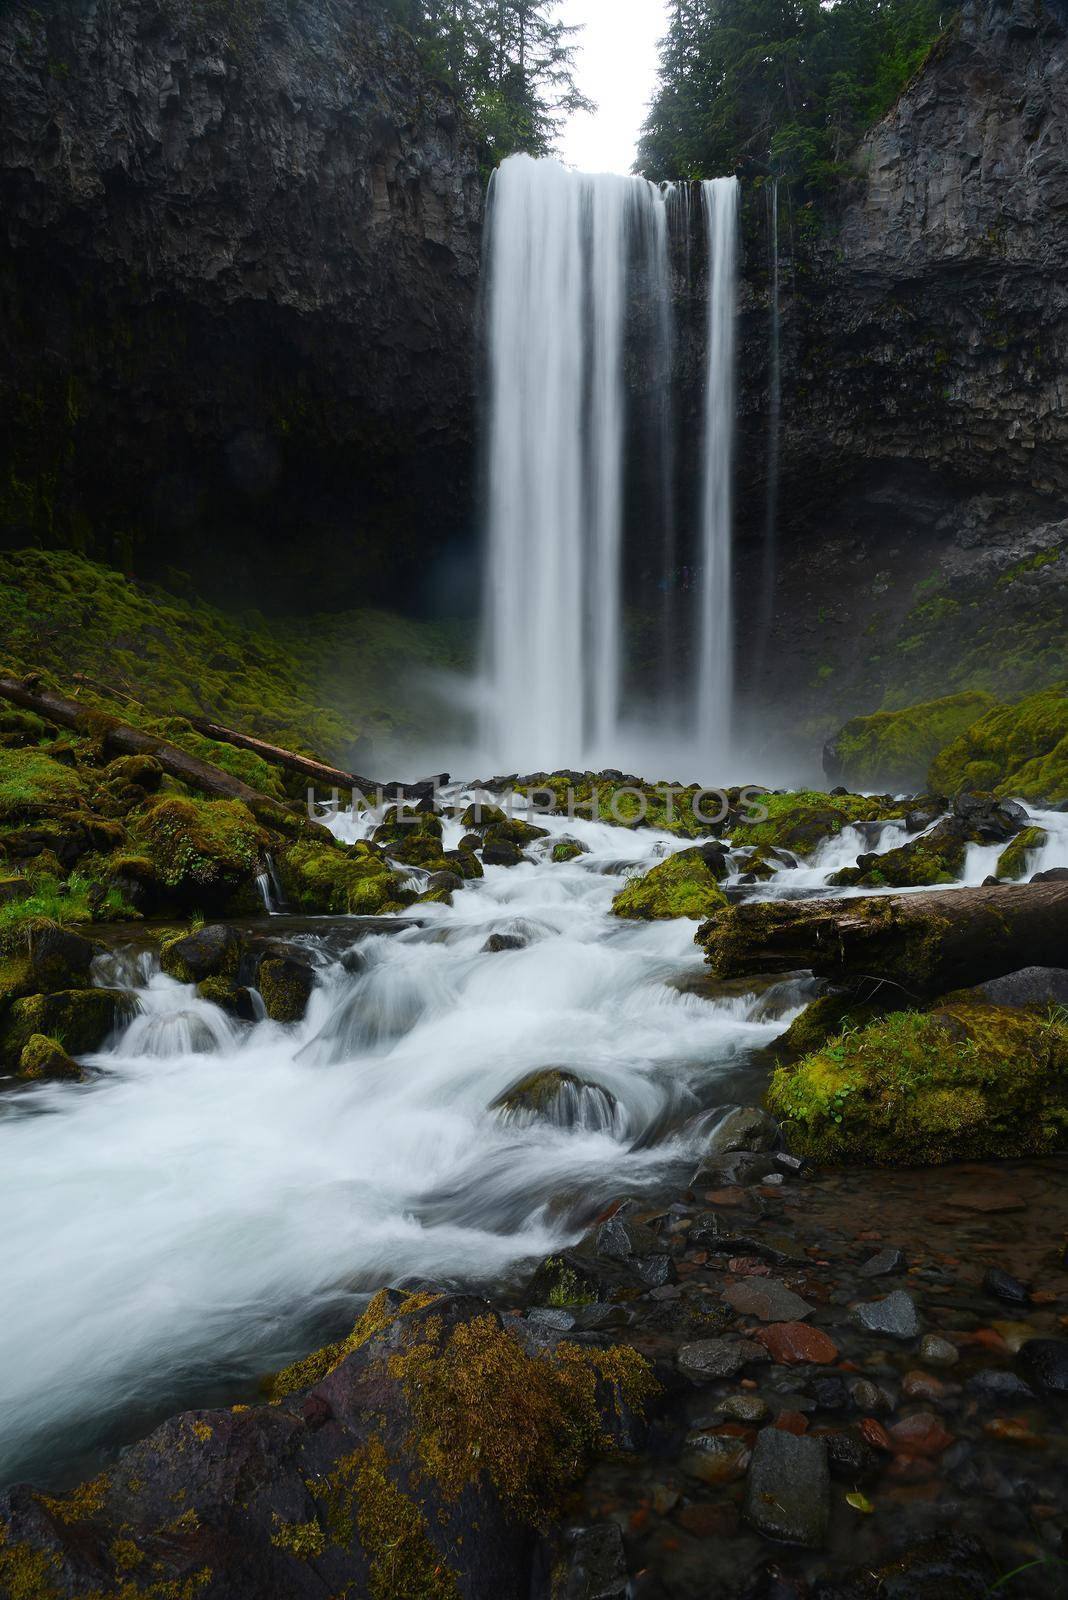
column 715, row 669
column 583, row 503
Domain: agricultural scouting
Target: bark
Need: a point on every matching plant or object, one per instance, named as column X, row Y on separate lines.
column 922, row 944
column 119, row 738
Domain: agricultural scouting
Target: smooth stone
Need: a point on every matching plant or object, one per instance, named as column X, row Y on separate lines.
column 767, row 1299
column 895, row 1316
column 596, row 1563
column 744, row 1408
column 868, row 1396
column 743, row 1128
column 1003, row 1286
column 715, row 1457
column 1048, row 1360
column 921, row 1434
column 882, row 1265
column 791, row 1343
column 992, row 1384
column 788, row 1490
column 704, row 1360
column 830, row 1394
column 552, row 1317
column 938, row 1352
column 850, row 1458
column 1031, row 986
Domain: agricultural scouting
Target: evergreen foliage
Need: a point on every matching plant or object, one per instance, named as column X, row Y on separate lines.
column 787, row 86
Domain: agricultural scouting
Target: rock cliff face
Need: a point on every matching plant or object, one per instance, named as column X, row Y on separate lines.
column 924, row 440
column 239, row 248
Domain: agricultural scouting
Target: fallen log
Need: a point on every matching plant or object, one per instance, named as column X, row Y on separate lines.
column 120, row 738
column 318, row 771
column 924, row 945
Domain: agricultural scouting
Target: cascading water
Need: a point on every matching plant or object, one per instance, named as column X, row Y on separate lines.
column 715, row 669
column 579, row 316
column 771, row 499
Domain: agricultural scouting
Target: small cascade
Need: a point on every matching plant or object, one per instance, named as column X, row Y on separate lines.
column 270, row 887
column 584, row 511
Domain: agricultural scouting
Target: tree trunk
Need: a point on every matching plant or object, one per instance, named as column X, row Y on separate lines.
column 119, row 738
column 318, row 771
column 923, row 945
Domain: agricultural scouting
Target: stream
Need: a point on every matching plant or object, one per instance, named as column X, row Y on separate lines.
column 220, row 1197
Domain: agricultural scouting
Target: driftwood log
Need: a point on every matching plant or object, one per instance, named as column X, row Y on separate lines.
column 921, row 944
column 317, row 771
column 120, row 739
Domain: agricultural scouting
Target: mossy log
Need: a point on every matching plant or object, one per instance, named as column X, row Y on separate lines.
column 305, row 766
column 924, row 944
column 120, row 738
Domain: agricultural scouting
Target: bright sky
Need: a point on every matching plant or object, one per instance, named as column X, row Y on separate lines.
column 616, row 67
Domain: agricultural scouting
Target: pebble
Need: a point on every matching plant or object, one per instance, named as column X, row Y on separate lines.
column 788, row 1490
column 552, row 1317
column 868, row 1396
column 830, row 1394
column 715, row 1458
column 882, row 1265
column 938, row 1352
column 992, row 1384
column 875, row 1434
column 921, row 1434
column 769, row 1300
column 792, row 1342
column 896, row 1316
column 1003, row 1286
column 707, row 1359
column 850, row 1457
column 1047, row 1359
column 744, row 1408
column 922, row 1386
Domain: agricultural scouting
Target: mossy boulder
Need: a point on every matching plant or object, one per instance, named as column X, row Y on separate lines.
column 80, row 1020
column 33, row 785
column 935, row 857
column 42, row 1057
column 233, row 998
column 684, row 885
column 823, row 1018
column 1014, row 861
column 553, row 1094
column 205, row 852
column 1019, row 750
column 894, row 749
column 285, row 985
column 568, row 849
column 328, row 878
column 964, row 1081
column 801, row 820
column 214, row 951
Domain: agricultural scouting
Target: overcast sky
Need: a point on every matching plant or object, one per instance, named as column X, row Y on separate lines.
column 616, row 67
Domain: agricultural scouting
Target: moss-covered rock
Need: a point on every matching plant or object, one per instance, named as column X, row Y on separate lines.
column 823, row 1018
column 964, row 1081
column 894, row 749
column 33, row 784
column 233, row 998
column 1019, row 750
column 285, row 986
column 802, row 819
column 935, row 857
column 682, row 886
column 80, row 1020
column 42, row 1057
column 1014, row 861
column 214, row 951
column 323, row 878
column 205, row 852
column 568, row 849
column 553, row 1094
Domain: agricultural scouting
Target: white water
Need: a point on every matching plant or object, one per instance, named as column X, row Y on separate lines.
column 575, row 262
column 183, row 1219
column 715, row 670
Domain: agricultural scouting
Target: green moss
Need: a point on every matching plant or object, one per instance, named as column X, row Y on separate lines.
column 42, row 1057
column 79, row 1019
column 361, row 1494
column 799, row 821
column 285, row 996
column 1014, row 860
column 26, row 1573
column 32, row 784
column 303, row 1540
column 588, row 795
column 311, row 685
column 935, row 857
column 315, row 1367
column 567, row 850
column 823, row 1019
column 964, row 1081
column 682, row 886
column 321, row 877
column 474, row 1391
column 204, row 850
column 566, row 1288
column 1019, row 750
column 894, row 749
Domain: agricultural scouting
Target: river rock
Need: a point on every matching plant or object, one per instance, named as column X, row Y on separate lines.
column 999, row 1386
column 285, row 985
column 895, row 1316
column 768, row 1299
column 795, row 1343
column 1047, row 1359
column 210, row 952
column 938, row 1352
column 743, row 1128
column 59, row 959
column 596, row 1563
column 788, row 1489
column 1003, row 1286
column 497, row 942
column 501, row 853
column 1031, row 986
column 884, row 1264
column 705, row 1360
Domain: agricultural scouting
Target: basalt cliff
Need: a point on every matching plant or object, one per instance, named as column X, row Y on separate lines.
column 239, row 261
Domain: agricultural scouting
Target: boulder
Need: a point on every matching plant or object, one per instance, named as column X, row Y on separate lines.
column 46, row 1058
column 81, row 1018
column 1038, row 987
column 210, row 952
column 685, row 885
column 743, row 1128
column 285, row 984
column 788, row 1488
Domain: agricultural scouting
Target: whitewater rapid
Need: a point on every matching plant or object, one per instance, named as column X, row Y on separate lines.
column 220, row 1197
